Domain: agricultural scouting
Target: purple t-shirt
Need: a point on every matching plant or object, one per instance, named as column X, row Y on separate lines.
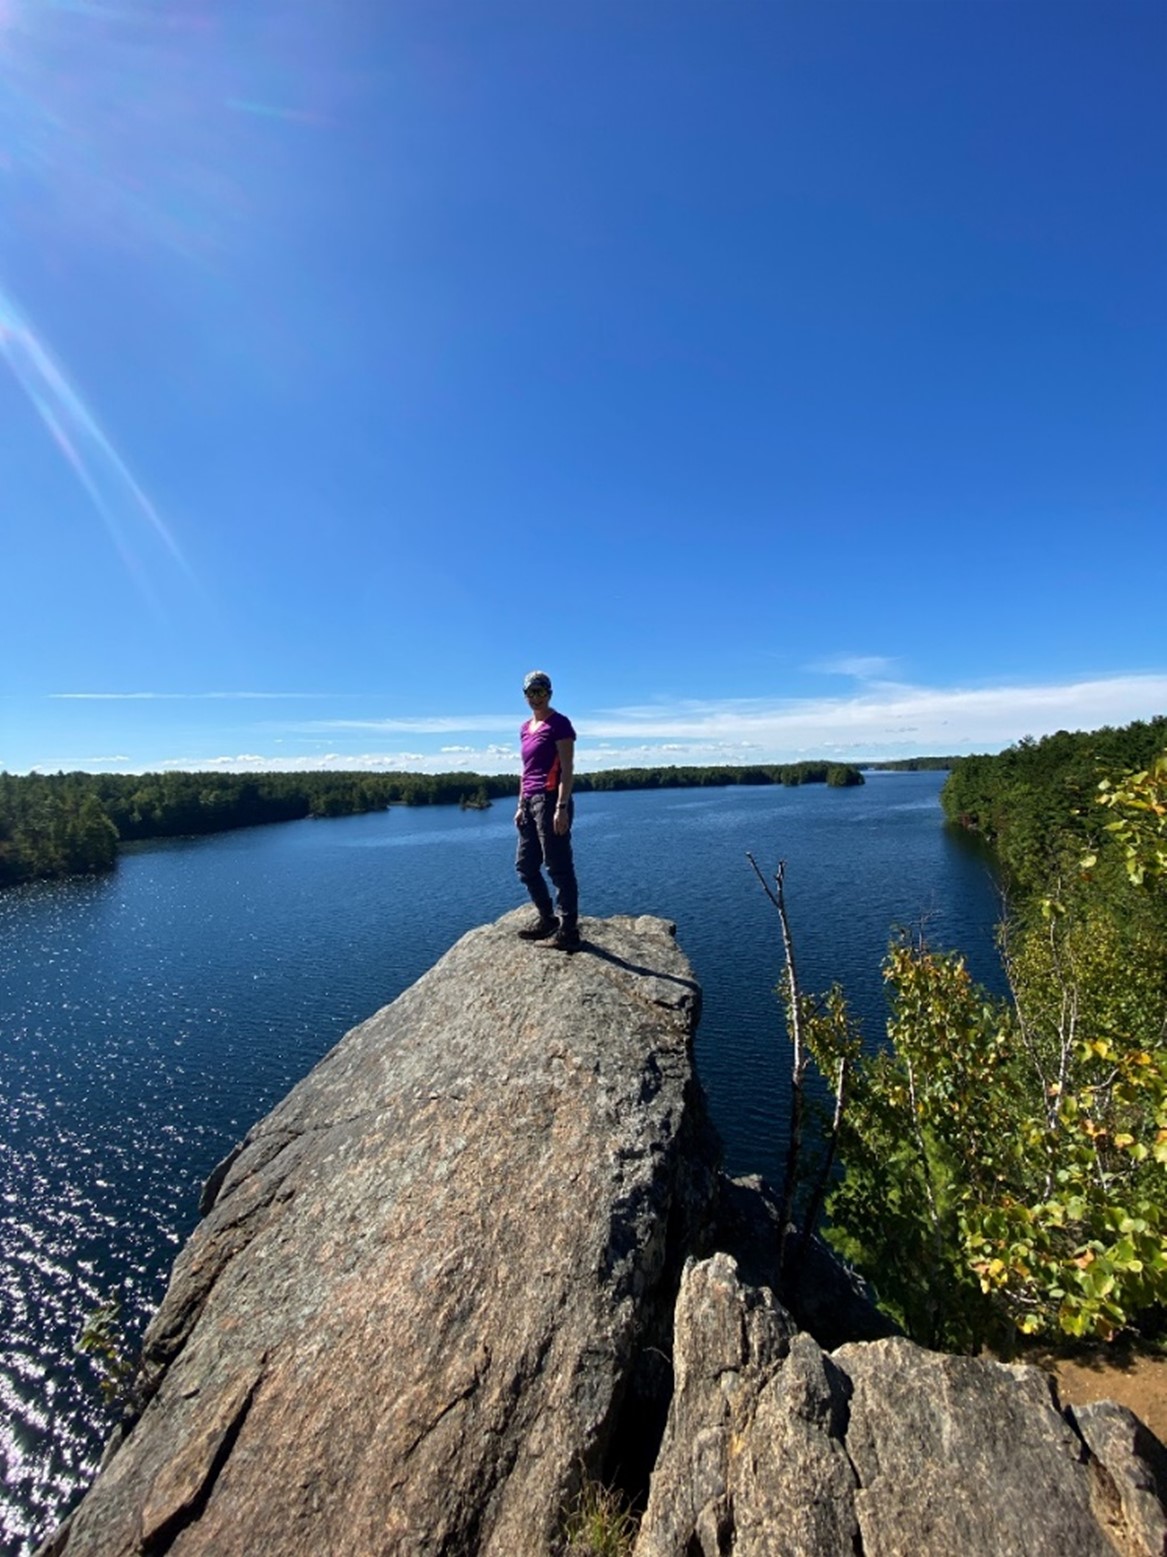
column 540, row 759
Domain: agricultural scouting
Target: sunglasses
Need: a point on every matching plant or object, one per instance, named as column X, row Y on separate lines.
column 538, row 690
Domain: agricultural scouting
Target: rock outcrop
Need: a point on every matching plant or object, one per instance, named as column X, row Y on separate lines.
column 441, row 1283
column 774, row 1446
column 819, row 1293
column 417, row 1309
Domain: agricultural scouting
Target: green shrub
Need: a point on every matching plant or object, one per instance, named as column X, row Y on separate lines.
column 1004, row 1159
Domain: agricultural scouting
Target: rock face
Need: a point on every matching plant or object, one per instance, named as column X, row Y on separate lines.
column 819, row 1293
column 418, row 1301
column 774, row 1446
column 439, row 1285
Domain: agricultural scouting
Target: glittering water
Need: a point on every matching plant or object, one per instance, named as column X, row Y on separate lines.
column 147, row 1019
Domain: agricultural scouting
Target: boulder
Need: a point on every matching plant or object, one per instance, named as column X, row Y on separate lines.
column 452, row 1275
column 1130, row 1474
column 776, row 1447
column 431, row 1288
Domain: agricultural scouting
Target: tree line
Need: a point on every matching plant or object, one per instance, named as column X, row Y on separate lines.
column 1035, row 803
column 836, row 774
column 914, row 765
column 63, row 824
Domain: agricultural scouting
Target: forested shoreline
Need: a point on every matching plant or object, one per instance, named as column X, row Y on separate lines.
column 1036, row 803
column 913, row 765
column 1003, row 1159
column 63, row 824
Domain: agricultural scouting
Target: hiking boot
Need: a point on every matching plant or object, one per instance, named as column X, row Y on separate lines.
column 540, row 929
column 566, row 939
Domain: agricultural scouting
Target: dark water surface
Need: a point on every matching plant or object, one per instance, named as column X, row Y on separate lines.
column 148, row 1018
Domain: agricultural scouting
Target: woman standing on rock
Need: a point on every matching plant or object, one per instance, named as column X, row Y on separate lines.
column 544, row 814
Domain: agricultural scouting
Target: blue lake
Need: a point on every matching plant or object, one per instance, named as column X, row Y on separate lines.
column 148, row 1018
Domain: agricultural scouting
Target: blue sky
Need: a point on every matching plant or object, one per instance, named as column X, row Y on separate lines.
column 786, row 379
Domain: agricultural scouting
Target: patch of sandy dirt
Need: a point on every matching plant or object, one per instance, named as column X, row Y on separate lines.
column 1134, row 1379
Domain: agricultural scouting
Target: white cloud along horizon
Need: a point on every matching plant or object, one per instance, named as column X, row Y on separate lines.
column 879, row 720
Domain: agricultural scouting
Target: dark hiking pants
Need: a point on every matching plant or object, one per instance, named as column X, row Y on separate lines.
column 540, row 845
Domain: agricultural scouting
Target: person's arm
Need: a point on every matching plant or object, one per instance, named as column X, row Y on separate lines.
column 566, row 752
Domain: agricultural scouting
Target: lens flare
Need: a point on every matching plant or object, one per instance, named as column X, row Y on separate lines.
column 104, row 475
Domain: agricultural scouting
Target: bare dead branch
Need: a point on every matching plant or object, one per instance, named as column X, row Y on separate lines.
column 824, row 1177
column 798, row 1064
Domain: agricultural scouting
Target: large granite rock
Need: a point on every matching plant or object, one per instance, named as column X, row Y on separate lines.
column 776, row 1447
column 430, row 1285
column 440, row 1284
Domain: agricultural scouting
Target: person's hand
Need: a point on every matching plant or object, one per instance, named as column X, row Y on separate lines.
column 562, row 821
column 519, row 814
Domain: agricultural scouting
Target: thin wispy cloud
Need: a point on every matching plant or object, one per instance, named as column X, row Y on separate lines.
column 937, row 720
column 863, row 667
column 190, row 697
column 880, row 721
column 440, row 724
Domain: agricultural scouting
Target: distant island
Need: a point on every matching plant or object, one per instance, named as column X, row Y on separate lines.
column 65, row 824
column 913, row 765
column 478, row 801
